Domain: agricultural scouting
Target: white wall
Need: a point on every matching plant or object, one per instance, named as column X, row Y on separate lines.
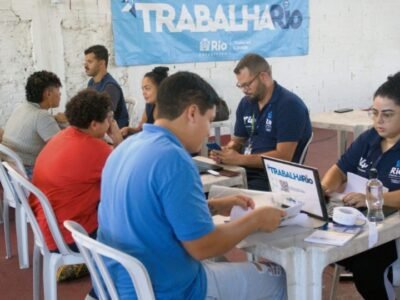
column 354, row 45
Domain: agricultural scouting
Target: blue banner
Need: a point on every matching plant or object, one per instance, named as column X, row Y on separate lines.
column 170, row 31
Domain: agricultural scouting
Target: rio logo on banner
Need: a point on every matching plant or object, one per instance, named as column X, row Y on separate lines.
column 168, row 32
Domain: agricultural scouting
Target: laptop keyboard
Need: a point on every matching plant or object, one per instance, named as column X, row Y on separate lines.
column 331, row 205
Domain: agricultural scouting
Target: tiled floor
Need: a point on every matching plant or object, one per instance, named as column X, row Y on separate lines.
column 17, row 284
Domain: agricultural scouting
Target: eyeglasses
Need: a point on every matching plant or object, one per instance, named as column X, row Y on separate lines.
column 387, row 115
column 246, row 85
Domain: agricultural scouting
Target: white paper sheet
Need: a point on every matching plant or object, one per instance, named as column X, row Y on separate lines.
column 335, row 234
column 300, row 219
column 357, row 184
column 260, row 199
column 329, row 237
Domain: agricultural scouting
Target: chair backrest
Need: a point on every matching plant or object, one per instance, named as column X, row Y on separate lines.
column 304, row 153
column 92, row 252
column 9, row 192
column 6, row 154
column 396, row 266
column 130, row 106
column 21, row 185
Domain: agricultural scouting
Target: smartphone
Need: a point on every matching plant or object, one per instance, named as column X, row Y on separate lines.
column 342, row 110
column 214, row 146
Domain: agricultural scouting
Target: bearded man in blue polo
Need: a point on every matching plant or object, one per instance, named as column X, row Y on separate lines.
column 270, row 120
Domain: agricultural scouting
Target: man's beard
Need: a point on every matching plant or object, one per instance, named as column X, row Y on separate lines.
column 89, row 72
column 259, row 94
column 255, row 98
column 92, row 72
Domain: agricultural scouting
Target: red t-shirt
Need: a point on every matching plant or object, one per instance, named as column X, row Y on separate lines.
column 68, row 171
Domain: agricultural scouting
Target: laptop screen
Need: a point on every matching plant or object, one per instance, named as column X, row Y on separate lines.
column 302, row 182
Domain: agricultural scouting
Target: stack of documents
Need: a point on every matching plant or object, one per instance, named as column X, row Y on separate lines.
column 336, row 235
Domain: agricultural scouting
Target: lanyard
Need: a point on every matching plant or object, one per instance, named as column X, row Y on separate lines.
column 374, row 165
column 252, row 127
column 371, row 151
column 248, row 149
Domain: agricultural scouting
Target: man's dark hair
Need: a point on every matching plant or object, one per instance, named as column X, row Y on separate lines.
column 182, row 89
column 99, row 51
column 158, row 74
column 254, row 62
column 390, row 88
column 38, row 82
column 87, row 106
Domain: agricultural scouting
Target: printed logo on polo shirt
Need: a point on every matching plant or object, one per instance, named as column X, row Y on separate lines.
column 247, row 120
column 248, row 123
column 362, row 165
column 268, row 122
column 394, row 173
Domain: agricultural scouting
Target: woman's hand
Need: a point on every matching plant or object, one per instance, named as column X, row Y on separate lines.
column 355, row 199
column 130, row 130
column 223, row 206
column 125, row 131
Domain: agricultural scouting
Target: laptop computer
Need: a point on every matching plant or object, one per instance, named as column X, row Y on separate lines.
column 304, row 182
column 204, row 167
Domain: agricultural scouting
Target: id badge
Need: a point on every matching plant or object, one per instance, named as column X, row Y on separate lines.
column 247, row 150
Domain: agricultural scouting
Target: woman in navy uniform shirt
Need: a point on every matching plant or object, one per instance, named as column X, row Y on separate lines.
column 378, row 147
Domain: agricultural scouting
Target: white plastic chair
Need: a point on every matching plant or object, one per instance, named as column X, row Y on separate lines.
column 216, row 126
column 93, row 251
column 9, row 199
column 304, row 153
column 51, row 261
column 395, row 270
column 130, row 106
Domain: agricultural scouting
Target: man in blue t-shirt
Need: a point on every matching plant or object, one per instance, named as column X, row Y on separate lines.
column 270, row 120
column 153, row 207
column 96, row 62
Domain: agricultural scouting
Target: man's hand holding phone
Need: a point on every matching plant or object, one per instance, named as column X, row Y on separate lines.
column 214, row 146
column 214, row 150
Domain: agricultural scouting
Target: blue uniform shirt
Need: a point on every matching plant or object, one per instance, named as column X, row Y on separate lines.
column 151, row 201
column 366, row 153
column 119, row 106
column 284, row 118
column 149, row 108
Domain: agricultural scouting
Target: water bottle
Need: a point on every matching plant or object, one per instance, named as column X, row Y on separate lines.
column 374, row 198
